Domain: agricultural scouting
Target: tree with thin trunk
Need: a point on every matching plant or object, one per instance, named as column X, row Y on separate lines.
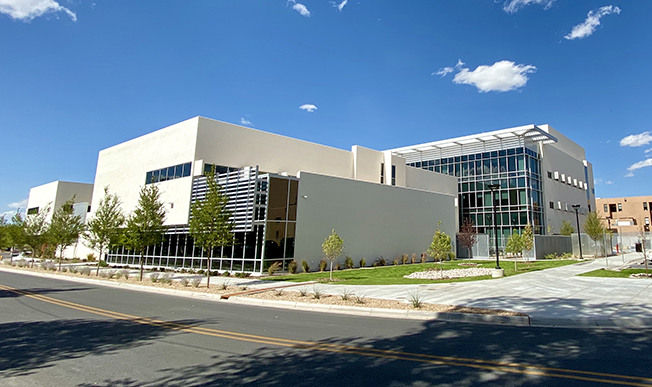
column 593, row 228
column 145, row 225
column 35, row 229
column 103, row 230
column 332, row 249
column 210, row 223
column 468, row 236
column 65, row 228
column 515, row 246
column 566, row 228
column 5, row 236
column 527, row 238
column 441, row 246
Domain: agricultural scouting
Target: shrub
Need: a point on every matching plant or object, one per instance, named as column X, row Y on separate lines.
column 550, row 256
column 224, row 285
column 380, row 261
column 90, row 257
column 424, row 257
column 274, row 267
column 346, row 294
column 201, row 271
column 404, row 259
column 395, row 262
column 244, row 287
column 317, row 293
column 322, row 265
column 103, row 264
column 278, row 292
column 292, row 267
column 416, row 300
column 73, row 270
column 303, row 292
column 359, row 299
column 85, row 270
column 123, row 273
column 110, row 273
column 154, row 277
column 166, row 278
column 304, row 265
column 64, row 269
column 226, row 274
column 566, row 255
column 194, row 282
column 414, row 258
column 363, row 262
column 348, row 262
column 183, row 281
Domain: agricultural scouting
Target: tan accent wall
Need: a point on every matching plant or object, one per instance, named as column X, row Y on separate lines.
column 632, row 209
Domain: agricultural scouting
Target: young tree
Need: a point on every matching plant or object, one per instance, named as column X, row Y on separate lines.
column 332, row 249
column 566, row 228
column 468, row 236
column 441, row 247
column 515, row 245
column 103, row 229
column 593, row 228
column 35, row 229
column 5, row 236
column 65, row 228
column 210, row 221
column 527, row 238
column 145, row 225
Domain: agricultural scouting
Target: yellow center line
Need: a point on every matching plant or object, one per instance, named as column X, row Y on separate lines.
column 517, row 368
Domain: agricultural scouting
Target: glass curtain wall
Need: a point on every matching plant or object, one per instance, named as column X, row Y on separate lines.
column 518, row 173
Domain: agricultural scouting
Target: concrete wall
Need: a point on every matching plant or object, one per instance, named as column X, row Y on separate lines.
column 238, row 146
column 418, row 178
column 373, row 220
column 366, row 164
column 58, row 192
column 123, row 168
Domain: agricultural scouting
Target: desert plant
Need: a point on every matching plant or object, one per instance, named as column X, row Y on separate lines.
column 380, row 261
column 346, row 294
column 123, row 273
column 348, row 262
column 63, row 269
column 195, row 282
column 226, row 274
column 292, row 267
column 416, row 300
column 305, row 267
column 166, row 278
column 359, row 299
column 424, row 257
column 414, row 258
column 154, row 277
column 103, row 264
column 85, row 270
column 396, row 262
column 323, row 264
column 110, row 273
column 303, row 292
column 244, row 287
column 278, row 292
column 90, row 257
column 184, row 281
column 404, row 259
column 201, row 271
column 363, row 262
column 317, row 293
column 224, row 285
column 73, row 270
column 274, row 267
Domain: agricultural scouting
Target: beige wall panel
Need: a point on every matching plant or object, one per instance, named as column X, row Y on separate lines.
column 367, row 164
column 418, row 178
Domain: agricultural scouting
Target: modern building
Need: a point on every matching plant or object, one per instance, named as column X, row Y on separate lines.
column 625, row 215
column 541, row 174
column 287, row 195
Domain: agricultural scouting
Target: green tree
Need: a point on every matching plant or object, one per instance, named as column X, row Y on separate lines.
column 5, row 235
column 145, row 225
column 528, row 238
column 332, row 249
column 65, row 228
column 441, row 247
column 566, row 228
column 35, row 229
column 515, row 245
column 593, row 228
column 103, row 230
column 210, row 221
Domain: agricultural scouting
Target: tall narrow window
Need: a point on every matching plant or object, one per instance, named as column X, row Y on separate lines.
column 382, row 173
column 620, row 206
column 393, row 174
column 606, row 208
column 644, row 206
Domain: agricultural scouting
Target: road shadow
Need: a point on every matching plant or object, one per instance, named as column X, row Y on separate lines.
column 10, row 294
column 600, row 350
column 28, row 346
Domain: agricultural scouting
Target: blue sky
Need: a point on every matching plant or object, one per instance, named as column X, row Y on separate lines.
column 78, row 76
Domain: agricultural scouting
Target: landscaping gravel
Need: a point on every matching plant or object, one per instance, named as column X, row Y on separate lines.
column 447, row 274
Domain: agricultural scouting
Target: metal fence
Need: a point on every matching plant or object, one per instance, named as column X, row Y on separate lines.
column 543, row 245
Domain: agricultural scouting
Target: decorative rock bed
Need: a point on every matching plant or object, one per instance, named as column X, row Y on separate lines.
column 640, row 275
column 448, row 274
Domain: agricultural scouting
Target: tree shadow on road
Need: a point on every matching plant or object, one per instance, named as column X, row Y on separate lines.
column 11, row 294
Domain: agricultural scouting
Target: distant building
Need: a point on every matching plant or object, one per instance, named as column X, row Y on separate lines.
column 625, row 215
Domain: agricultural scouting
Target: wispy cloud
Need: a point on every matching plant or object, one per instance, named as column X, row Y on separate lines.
column 630, row 174
column 245, row 122
column 443, row 71
column 501, row 76
column 513, row 6
column 640, row 164
column 15, row 206
column 608, row 182
column 299, row 8
column 27, row 10
column 636, row 140
column 339, row 6
column 648, row 150
column 308, row 107
column 591, row 23
column 18, row 204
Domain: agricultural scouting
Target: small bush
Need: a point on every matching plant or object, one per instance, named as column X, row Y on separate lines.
column 85, row 270
column 550, row 256
column 359, row 299
column 346, row 294
column 226, row 274
column 64, row 269
column 337, row 266
column 195, row 282
column 278, row 292
column 348, row 262
column 303, row 292
column 416, row 300
column 323, row 264
column 414, row 258
column 154, row 277
column 424, row 257
column 395, row 262
column 292, row 267
column 184, row 281
column 566, row 255
column 103, row 264
column 380, row 261
column 363, row 262
column 317, row 293
column 404, row 259
column 166, row 278
column 74, row 270
column 123, row 273
column 305, row 267
column 201, row 271
column 244, row 287
column 110, row 273
column 90, row 257
column 274, row 267
column 224, row 285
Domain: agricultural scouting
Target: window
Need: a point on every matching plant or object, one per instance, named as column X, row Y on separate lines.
column 647, row 221
column 556, row 175
column 620, row 207
column 606, row 208
column 32, row 211
column 552, row 205
column 393, row 174
column 644, row 206
column 549, row 175
column 169, row 173
column 382, row 173
column 559, row 205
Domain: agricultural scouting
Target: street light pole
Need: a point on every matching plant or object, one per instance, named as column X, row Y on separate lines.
column 494, row 189
column 576, row 207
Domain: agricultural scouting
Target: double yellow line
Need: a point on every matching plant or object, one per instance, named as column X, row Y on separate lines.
column 515, row 368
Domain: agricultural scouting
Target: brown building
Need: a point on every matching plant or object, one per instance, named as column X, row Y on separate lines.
column 626, row 215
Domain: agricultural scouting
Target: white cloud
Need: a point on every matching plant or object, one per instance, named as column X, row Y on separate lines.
column 308, row 107
column 608, row 182
column 245, row 122
column 591, row 23
column 18, row 204
column 629, row 175
column 648, row 150
column 27, row 10
column 340, row 5
column 298, row 7
column 636, row 140
column 501, row 76
column 640, row 164
column 513, row 6
column 597, row 181
column 443, row 71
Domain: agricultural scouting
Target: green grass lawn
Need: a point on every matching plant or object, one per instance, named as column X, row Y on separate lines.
column 393, row 275
column 613, row 274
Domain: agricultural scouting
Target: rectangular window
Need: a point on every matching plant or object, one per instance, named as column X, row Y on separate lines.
column 32, row 211
column 393, row 174
column 647, row 221
column 170, row 173
column 549, row 175
column 552, row 205
column 620, row 207
column 606, row 208
column 645, row 206
column 382, row 173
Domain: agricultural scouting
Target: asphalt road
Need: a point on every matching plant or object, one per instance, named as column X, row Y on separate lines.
column 59, row 333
